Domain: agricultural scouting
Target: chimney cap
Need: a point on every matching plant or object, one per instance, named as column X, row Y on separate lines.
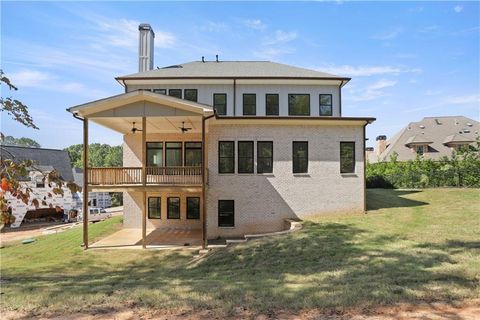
column 144, row 26
column 381, row 138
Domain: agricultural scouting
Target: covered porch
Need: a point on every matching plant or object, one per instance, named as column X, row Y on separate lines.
column 163, row 150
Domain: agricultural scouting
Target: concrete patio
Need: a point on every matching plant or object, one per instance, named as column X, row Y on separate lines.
column 156, row 238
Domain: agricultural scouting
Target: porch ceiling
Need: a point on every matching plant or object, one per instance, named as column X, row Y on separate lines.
column 154, row 124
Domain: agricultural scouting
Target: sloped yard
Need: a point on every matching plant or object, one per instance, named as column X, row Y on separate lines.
column 411, row 247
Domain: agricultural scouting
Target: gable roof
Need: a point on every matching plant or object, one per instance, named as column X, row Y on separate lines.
column 44, row 159
column 232, row 69
column 433, row 131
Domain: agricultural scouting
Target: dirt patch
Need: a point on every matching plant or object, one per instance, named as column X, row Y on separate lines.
column 431, row 311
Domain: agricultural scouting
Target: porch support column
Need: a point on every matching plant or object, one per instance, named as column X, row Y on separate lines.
column 144, row 182
column 204, row 182
column 85, row 183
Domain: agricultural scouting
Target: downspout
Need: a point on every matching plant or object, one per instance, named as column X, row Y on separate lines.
column 204, row 181
column 340, row 99
column 234, row 96
column 364, row 168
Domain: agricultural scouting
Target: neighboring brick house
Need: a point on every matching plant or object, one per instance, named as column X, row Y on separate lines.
column 229, row 147
column 44, row 162
column 430, row 138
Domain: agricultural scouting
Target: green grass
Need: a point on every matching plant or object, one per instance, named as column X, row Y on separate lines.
column 410, row 247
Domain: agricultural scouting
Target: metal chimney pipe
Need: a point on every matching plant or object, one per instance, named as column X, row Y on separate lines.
column 145, row 47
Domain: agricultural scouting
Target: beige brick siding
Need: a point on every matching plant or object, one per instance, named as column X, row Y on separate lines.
column 262, row 202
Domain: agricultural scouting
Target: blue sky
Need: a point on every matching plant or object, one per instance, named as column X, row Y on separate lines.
column 407, row 60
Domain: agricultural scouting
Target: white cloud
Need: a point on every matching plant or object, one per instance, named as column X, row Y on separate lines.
column 281, row 37
column 372, row 91
column 270, row 53
column 212, row 26
column 255, row 24
column 389, row 35
column 365, row 71
column 458, row 9
column 382, row 83
column 466, row 99
column 29, row 78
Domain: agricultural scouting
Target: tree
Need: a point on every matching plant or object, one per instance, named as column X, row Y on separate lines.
column 99, row 155
column 15, row 108
column 21, row 142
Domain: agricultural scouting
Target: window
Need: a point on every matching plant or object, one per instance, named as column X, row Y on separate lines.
column 40, row 182
column 226, row 213
column 177, row 93
column 264, row 157
column 271, row 104
column 226, row 157
column 220, row 103
column 190, row 94
column 347, row 157
column 193, row 208
column 299, row 104
column 249, row 104
column 300, row 157
column 193, row 154
column 421, row 149
column 245, row 156
column 325, row 104
column 161, row 91
column 154, row 207
column 154, row 154
column 173, row 208
column 173, row 154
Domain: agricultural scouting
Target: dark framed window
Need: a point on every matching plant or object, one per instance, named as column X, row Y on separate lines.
column 193, row 154
column 173, row 154
column 325, row 104
column 154, row 207
column 177, row 93
column 264, row 157
column 154, row 154
column 226, row 213
column 347, row 157
column 173, row 208
column 161, row 91
column 190, row 94
column 300, row 156
column 421, row 149
column 220, row 103
column 193, row 208
column 299, row 104
column 40, row 182
column 271, row 104
column 245, row 156
column 249, row 104
column 226, row 157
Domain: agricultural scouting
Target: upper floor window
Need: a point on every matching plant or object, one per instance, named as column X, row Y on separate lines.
column 220, row 103
column 226, row 157
column 245, row 156
column 299, row 104
column 300, row 156
column 421, row 149
column 326, row 105
column 173, row 154
column 271, row 104
column 190, row 94
column 193, row 154
column 347, row 157
column 154, row 154
column 249, row 104
column 161, row 91
column 177, row 93
column 264, row 157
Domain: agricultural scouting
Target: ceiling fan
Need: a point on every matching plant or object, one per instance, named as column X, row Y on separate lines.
column 135, row 129
column 183, row 127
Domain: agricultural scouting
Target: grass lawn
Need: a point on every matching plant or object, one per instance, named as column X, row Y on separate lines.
column 410, row 247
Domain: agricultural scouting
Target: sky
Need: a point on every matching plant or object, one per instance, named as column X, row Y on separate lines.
column 407, row 60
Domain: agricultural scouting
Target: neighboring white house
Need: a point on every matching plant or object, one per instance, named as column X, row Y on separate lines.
column 44, row 162
column 229, row 147
column 95, row 199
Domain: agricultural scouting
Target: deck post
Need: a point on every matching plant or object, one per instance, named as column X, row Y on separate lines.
column 204, row 181
column 144, row 182
column 85, row 183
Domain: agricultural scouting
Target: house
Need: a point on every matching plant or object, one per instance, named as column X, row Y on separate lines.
column 430, row 138
column 95, row 199
column 44, row 162
column 228, row 147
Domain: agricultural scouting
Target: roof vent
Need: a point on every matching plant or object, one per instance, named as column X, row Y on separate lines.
column 216, row 57
column 422, row 126
column 381, row 138
column 369, row 149
column 466, row 131
column 437, row 121
column 469, row 124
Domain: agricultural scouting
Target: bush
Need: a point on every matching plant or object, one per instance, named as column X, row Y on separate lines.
column 462, row 169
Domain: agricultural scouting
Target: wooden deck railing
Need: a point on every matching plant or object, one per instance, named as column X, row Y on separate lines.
column 153, row 175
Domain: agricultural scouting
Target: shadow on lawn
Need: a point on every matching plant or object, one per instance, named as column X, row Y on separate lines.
column 391, row 198
column 321, row 266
